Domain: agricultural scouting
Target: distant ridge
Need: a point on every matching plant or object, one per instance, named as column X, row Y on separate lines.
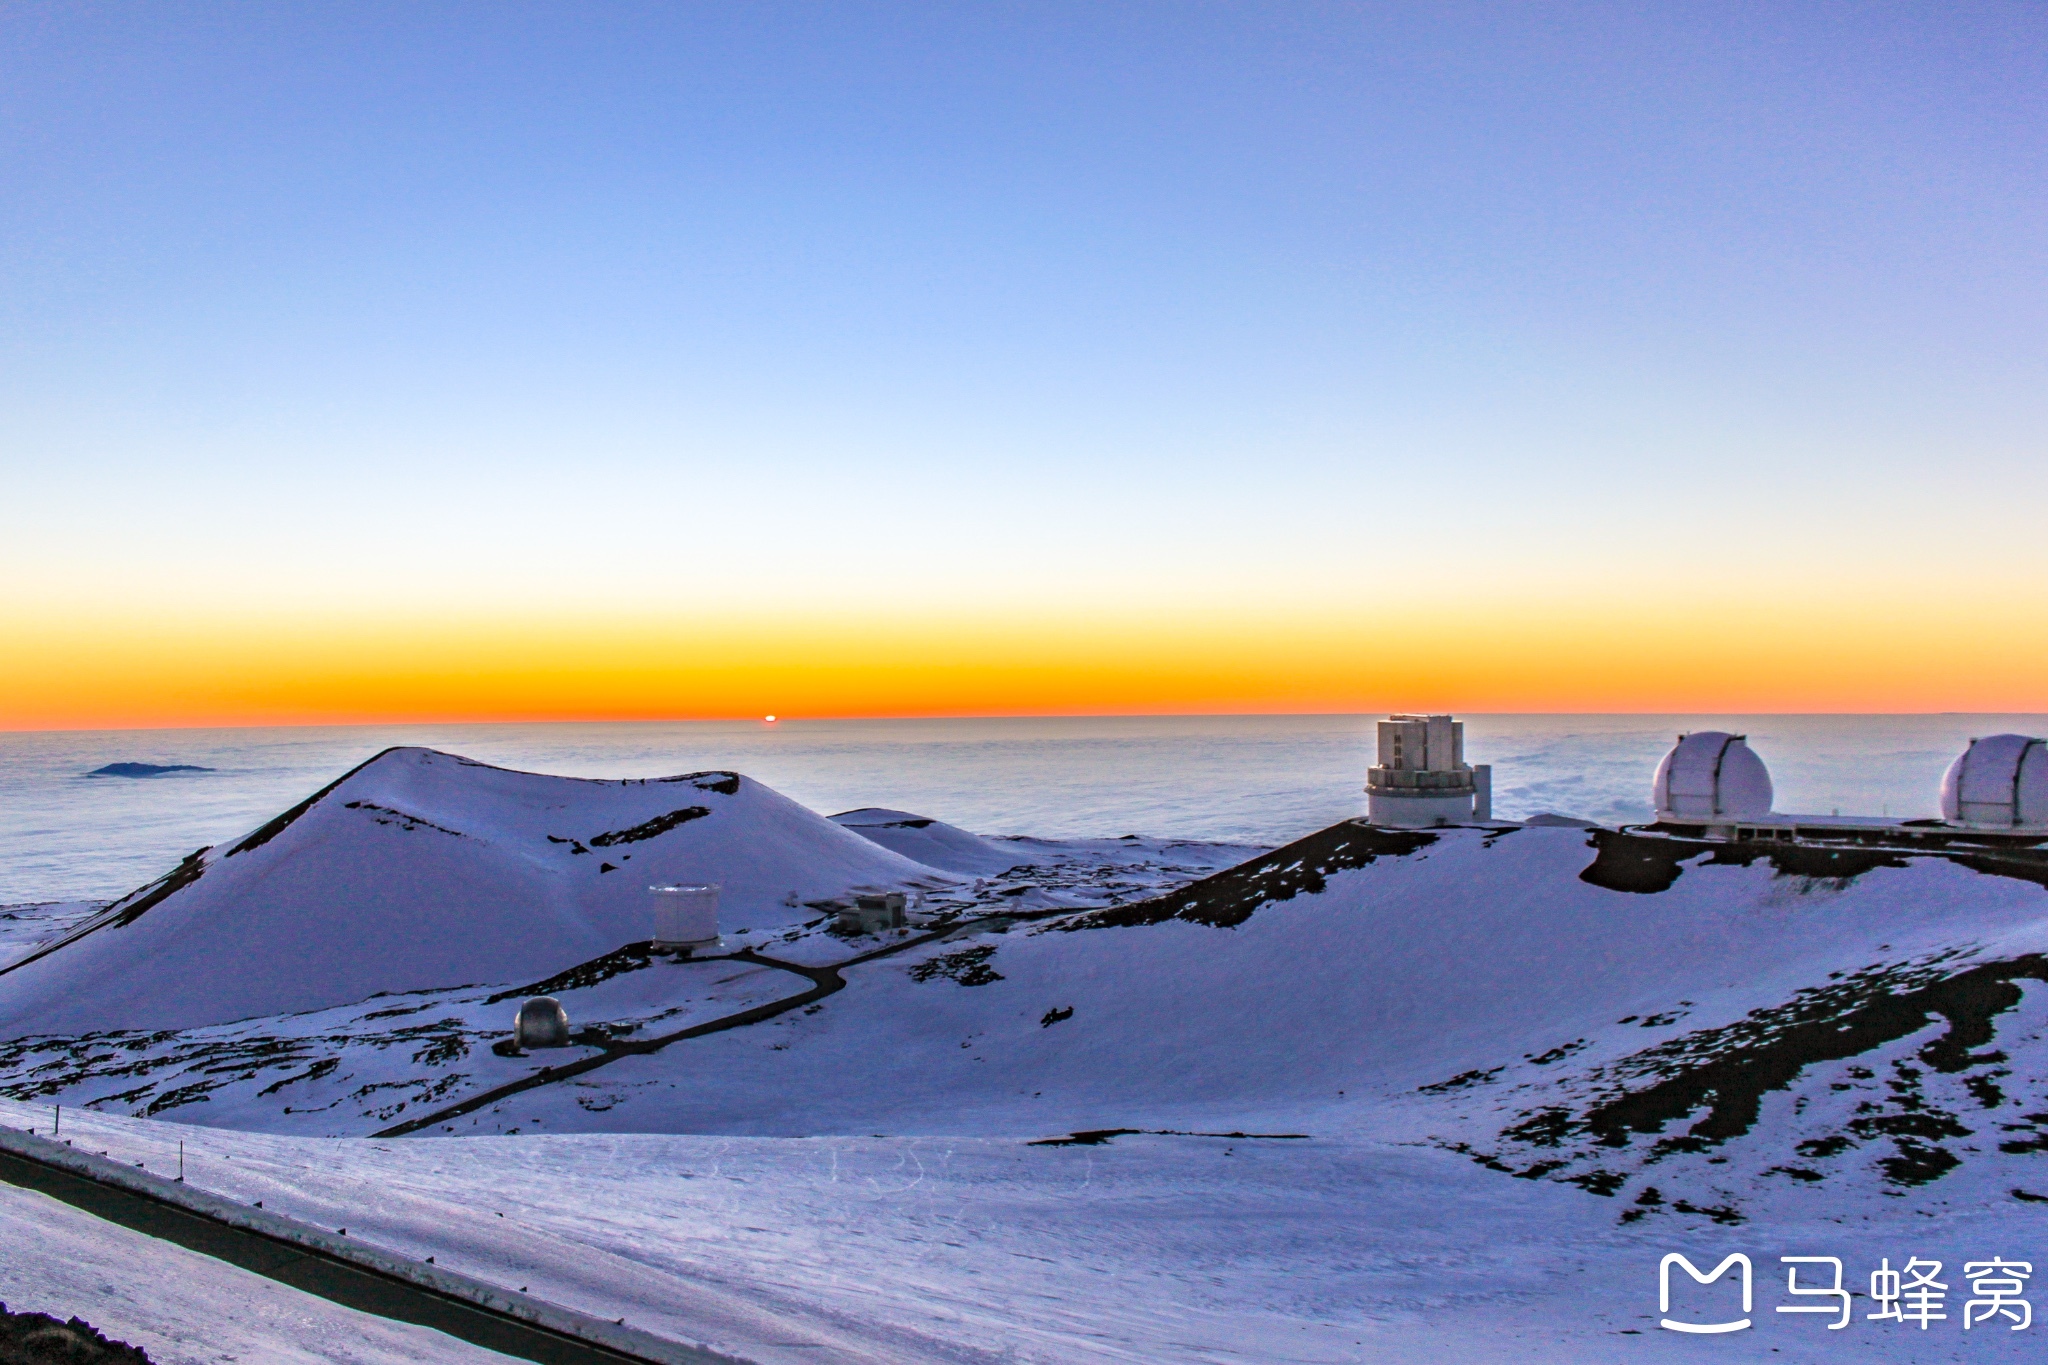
column 146, row 769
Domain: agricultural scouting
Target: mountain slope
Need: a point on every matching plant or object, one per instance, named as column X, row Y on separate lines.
column 931, row 842
column 1469, row 989
column 1662, row 1022
column 1430, row 1095
column 421, row 870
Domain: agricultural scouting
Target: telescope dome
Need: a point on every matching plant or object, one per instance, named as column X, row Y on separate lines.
column 1999, row 782
column 541, row 1022
column 1711, row 775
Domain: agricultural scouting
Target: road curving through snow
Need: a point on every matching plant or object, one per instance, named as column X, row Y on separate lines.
column 825, row 980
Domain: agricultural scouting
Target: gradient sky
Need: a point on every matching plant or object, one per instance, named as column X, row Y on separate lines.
column 409, row 361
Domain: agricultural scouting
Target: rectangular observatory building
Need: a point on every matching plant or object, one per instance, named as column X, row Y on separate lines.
column 1422, row 778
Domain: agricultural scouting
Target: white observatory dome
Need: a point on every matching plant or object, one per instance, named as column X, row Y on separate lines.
column 1999, row 782
column 1711, row 775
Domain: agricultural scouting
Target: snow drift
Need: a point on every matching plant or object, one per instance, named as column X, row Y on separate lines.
column 421, row 870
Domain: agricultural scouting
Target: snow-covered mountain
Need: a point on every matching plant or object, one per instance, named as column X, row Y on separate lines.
column 931, row 842
column 1492, row 1039
column 1733, row 1020
column 421, row 870
column 1453, row 1093
column 1581, row 1006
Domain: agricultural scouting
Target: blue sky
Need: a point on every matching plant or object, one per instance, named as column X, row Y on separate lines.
column 377, row 308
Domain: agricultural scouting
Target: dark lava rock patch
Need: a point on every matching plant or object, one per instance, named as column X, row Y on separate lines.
column 39, row 1339
column 1232, row 896
column 149, row 1073
column 968, row 967
column 403, row 820
column 631, row 958
column 660, row 824
column 285, row 819
column 1649, row 864
column 1626, row 1113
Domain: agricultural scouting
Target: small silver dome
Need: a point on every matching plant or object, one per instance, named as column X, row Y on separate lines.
column 541, row 1022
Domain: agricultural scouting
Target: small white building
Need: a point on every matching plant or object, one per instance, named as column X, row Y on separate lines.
column 871, row 914
column 1422, row 778
column 685, row 916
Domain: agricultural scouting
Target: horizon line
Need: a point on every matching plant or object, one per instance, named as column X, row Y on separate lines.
column 780, row 720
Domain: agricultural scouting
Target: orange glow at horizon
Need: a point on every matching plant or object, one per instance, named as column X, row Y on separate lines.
column 1579, row 656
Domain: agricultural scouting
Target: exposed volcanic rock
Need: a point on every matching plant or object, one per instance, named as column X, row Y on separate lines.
column 1300, row 868
column 39, row 1339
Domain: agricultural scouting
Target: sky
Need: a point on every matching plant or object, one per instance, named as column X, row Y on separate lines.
column 544, row 361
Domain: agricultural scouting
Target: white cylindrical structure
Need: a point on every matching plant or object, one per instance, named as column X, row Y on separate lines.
column 1999, row 782
column 685, row 916
column 541, row 1022
column 1711, row 776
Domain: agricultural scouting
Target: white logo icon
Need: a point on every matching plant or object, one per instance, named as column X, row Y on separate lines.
column 1664, row 1291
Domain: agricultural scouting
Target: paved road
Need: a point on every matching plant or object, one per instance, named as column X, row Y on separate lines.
column 824, row 981
column 326, row 1276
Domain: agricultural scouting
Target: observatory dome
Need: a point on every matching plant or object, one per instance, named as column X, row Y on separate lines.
column 541, row 1022
column 1999, row 782
column 1712, row 775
